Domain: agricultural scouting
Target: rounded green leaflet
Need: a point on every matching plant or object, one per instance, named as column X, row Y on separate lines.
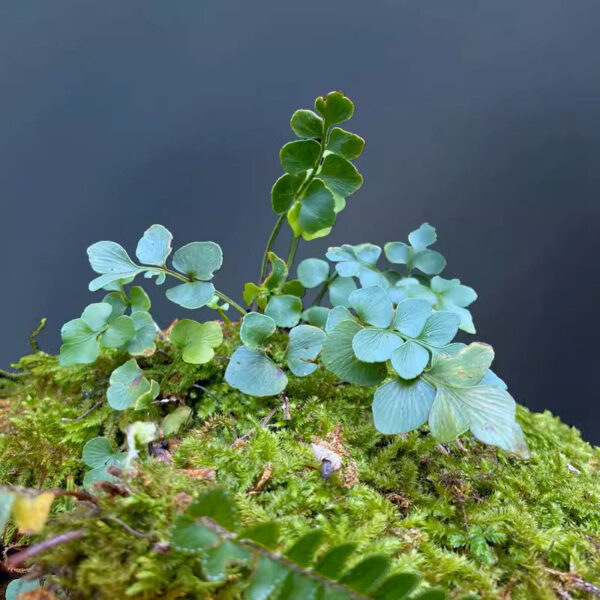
column 312, row 272
column 96, row 315
column 316, row 315
column 97, row 452
column 112, row 262
column 119, row 332
column 422, row 237
column 336, row 315
column 253, row 373
column 339, row 290
column 335, row 108
column 340, row 175
column 372, row 305
column 155, row 246
column 196, row 341
column 375, row 345
column 142, row 341
column 305, row 343
column 398, row 253
column 306, row 124
column 400, row 406
column 80, row 344
column 293, row 287
column 277, row 274
column 454, row 297
column 429, row 261
column 118, row 303
column 192, row 295
column 128, row 386
column 465, row 368
column 346, row 144
column 17, row 587
column 139, row 299
column 284, row 310
column 411, row 315
column 316, row 208
column 256, row 329
column 189, row 537
column 440, row 328
column 284, row 191
column 338, row 357
column 198, row 260
column 298, row 157
column 409, row 360
column 173, row 422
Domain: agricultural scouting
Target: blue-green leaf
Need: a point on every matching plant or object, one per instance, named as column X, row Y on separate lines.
column 440, row 328
column 138, row 299
column 316, row 315
column 398, row 253
column 198, row 260
column 189, row 537
column 375, row 345
column 338, row 357
column 192, row 295
column 6, row 502
column 340, row 289
column 429, row 261
column 401, row 406
column 256, row 329
column 304, row 346
column 17, row 587
column 284, row 310
column 119, row 332
column 196, row 341
column 112, row 262
column 373, row 306
column 97, row 452
column 80, row 343
column 422, row 237
column 411, row 315
column 96, row 315
column 128, row 386
column 312, row 272
column 409, row 360
column 455, row 297
column 466, row 368
column 155, row 246
column 142, row 341
column 337, row 315
column 298, row 157
column 253, row 373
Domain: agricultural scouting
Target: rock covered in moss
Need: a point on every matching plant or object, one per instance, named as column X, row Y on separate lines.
column 465, row 516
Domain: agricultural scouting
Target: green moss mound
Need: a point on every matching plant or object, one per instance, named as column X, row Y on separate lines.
column 465, row 516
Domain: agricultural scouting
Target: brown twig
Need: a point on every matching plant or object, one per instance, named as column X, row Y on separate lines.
column 18, row 559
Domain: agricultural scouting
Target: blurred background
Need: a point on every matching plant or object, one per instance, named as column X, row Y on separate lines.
column 480, row 117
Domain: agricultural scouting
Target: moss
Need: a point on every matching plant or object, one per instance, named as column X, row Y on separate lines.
column 466, row 516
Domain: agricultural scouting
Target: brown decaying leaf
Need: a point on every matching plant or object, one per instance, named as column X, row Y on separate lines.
column 266, row 476
column 206, row 473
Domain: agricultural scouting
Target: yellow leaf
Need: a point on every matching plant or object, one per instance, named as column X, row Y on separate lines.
column 31, row 512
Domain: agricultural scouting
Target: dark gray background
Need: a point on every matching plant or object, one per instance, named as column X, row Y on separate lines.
column 480, row 117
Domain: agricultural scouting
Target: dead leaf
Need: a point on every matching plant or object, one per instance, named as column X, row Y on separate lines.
column 206, row 473
column 266, row 476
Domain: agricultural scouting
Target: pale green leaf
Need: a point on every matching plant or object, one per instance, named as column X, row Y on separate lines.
column 112, row 262
column 118, row 303
column 198, row 260
column 192, row 295
column 155, row 246
column 305, row 343
column 398, row 253
column 6, row 502
column 80, row 344
column 422, row 237
column 373, row 306
column 316, row 315
column 142, row 341
column 256, row 329
column 128, row 386
column 173, row 422
column 466, row 368
column 96, row 315
column 284, row 310
column 139, row 299
column 253, row 373
column 20, row 586
column 409, row 360
column 338, row 357
column 196, row 341
column 119, row 332
column 429, row 261
column 448, row 417
column 375, row 345
column 97, row 452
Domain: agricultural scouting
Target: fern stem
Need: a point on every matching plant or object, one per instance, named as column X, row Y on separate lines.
column 271, row 240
